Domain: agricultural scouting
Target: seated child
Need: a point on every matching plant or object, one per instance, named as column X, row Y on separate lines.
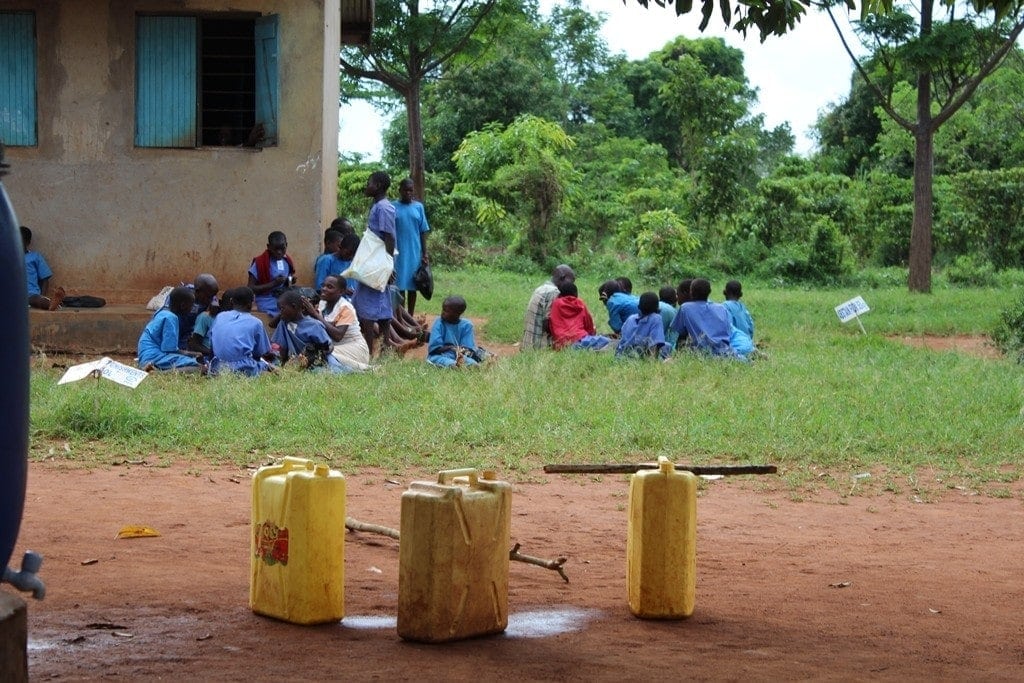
column 271, row 272
column 303, row 337
column 570, row 322
column 346, row 252
column 329, row 263
column 238, row 339
column 705, row 324
column 643, row 334
column 200, row 338
column 737, row 311
column 667, row 307
column 619, row 304
column 451, row 338
column 158, row 345
column 37, row 275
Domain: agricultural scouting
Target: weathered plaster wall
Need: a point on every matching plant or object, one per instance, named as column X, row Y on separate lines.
column 121, row 221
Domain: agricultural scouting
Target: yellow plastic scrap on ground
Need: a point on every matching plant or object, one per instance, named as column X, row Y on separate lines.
column 136, row 531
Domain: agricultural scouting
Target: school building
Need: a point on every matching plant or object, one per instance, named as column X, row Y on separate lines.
column 150, row 140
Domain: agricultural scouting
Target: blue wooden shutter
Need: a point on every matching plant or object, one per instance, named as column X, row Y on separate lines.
column 18, row 78
column 165, row 82
column 266, row 76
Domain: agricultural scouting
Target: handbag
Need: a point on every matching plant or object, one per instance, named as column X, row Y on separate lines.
column 372, row 264
column 424, row 281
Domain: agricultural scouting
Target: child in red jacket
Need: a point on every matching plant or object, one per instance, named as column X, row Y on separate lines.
column 571, row 323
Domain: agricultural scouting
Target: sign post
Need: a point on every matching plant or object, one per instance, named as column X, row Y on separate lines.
column 851, row 310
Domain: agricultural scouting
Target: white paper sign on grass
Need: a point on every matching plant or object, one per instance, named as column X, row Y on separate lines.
column 123, row 374
column 852, row 309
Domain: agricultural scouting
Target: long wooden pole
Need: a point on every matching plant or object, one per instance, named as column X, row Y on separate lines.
column 630, row 468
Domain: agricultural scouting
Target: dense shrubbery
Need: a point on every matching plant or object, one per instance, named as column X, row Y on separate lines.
column 1008, row 334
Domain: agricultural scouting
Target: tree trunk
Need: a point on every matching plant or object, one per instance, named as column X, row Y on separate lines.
column 921, row 232
column 920, row 279
column 415, row 128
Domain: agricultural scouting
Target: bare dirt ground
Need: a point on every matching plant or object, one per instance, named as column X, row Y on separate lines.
column 876, row 587
column 872, row 586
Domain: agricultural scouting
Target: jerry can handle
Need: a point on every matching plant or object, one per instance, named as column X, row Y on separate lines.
column 290, row 462
column 446, row 476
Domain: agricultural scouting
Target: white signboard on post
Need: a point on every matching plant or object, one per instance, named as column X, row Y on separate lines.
column 852, row 309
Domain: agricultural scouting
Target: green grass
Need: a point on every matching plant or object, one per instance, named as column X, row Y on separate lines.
column 826, row 400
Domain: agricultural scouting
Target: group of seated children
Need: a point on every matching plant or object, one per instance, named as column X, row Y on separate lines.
column 656, row 324
column 227, row 337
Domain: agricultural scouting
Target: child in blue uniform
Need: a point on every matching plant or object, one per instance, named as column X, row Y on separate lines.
column 37, row 276
column 238, row 339
column 643, row 333
column 158, row 345
column 302, row 337
column 741, row 319
column 619, row 304
column 452, row 342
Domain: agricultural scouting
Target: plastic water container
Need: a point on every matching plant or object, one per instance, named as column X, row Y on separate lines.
column 298, row 542
column 453, row 557
column 661, row 558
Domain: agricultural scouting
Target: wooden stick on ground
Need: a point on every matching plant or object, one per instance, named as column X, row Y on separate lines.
column 514, row 554
column 355, row 525
column 555, row 565
column 629, row 468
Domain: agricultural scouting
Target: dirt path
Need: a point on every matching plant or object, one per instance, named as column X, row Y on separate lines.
column 862, row 588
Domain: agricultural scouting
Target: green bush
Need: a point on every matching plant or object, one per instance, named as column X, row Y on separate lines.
column 971, row 270
column 1008, row 333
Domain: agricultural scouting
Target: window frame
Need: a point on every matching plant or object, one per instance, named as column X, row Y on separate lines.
column 169, row 80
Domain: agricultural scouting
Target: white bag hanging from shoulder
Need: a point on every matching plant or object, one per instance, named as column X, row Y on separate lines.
column 371, row 265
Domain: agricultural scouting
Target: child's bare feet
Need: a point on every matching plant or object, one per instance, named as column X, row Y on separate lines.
column 57, row 299
column 148, row 367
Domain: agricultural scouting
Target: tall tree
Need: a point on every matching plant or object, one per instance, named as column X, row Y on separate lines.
column 921, row 45
column 949, row 59
column 409, row 46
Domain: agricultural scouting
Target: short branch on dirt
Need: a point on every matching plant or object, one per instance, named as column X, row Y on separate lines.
column 356, row 525
column 514, row 554
column 554, row 565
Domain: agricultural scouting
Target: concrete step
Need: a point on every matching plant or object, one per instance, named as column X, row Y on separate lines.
column 112, row 329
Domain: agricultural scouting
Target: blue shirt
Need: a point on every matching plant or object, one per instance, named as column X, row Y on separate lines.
column 267, row 301
column 327, row 264
column 620, row 306
column 36, row 270
column 707, row 325
column 740, row 317
column 238, row 340
column 643, row 335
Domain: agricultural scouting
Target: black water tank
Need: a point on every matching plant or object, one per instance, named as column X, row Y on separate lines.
column 14, row 363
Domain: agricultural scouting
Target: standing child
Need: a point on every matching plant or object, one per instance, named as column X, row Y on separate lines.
column 374, row 307
column 271, row 272
column 452, row 343
column 571, row 322
column 38, row 274
column 238, row 339
column 411, row 230
column 643, row 333
column 158, row 345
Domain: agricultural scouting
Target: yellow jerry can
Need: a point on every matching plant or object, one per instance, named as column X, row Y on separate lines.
column 453, row 557
column 298, row 542
column 661, row 556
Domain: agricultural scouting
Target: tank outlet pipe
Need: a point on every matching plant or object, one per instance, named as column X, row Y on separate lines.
column 28, row 578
